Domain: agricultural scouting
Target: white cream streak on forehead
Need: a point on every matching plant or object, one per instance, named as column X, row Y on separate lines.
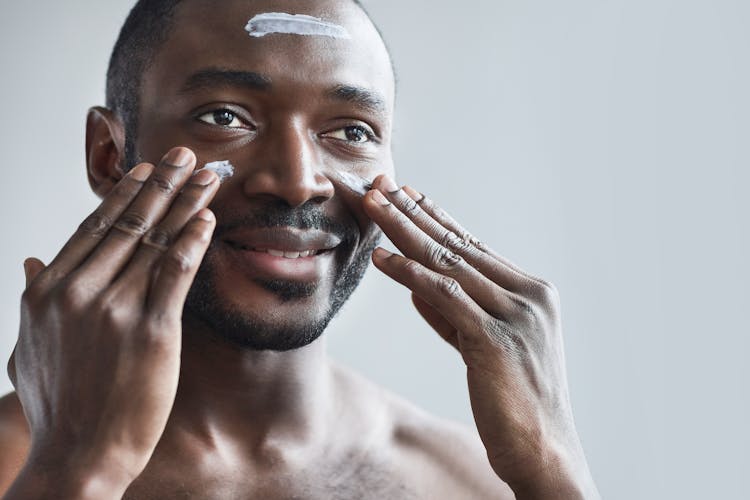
column 293, row 24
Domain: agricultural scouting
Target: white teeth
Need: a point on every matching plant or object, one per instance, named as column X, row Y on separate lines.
column 290, row 255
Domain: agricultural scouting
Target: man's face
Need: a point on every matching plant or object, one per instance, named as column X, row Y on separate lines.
column 291, row 113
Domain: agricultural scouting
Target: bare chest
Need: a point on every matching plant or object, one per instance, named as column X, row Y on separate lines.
column 363, row 481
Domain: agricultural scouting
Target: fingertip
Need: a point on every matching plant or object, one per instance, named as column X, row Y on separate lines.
column 27, row 267
column 180, row 157
column 141, row 172
column 206, row 215
column 413, row 194
column 378, row 198
column 381, row 254
column 385, row 183
column 31, row 268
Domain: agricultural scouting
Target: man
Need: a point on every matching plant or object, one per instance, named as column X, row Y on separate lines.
column 169, row 350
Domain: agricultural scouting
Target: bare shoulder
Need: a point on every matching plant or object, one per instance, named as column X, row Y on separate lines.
column 14, row 435
column 440, row 458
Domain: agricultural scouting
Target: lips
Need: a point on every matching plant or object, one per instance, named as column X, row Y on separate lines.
column 283, row 253
column 283, row 242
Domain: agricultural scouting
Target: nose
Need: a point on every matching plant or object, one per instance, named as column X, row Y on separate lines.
column 287, row 165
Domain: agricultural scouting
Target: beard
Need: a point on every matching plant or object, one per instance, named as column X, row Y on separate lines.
column 228, row 323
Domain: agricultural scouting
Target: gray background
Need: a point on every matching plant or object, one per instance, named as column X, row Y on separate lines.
column 599, row 144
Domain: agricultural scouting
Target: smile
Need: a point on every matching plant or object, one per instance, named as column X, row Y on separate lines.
column 287, row 254
column 282, row 253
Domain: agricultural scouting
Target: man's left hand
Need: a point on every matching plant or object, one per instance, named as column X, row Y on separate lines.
column 506, row 325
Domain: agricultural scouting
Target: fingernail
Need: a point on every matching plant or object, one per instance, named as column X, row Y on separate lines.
column 413, row 194
column 388, row 185
column 203, row 177
column 381, row 253
column 206, row 215
column 141, row 172
column 180, row 157
column 379, row 198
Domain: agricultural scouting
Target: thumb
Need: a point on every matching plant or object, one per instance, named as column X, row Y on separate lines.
column 32, row 267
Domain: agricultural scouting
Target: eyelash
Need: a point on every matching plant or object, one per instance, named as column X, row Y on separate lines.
column 371, row 137
column 213, row 114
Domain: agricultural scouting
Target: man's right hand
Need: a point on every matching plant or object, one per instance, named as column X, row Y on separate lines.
column 97, row 361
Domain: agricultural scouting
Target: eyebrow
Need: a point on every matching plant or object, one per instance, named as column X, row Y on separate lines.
column 212, row 78
column 364, row 98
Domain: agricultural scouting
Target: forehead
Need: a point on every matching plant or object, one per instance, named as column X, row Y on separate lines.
column 209, row 34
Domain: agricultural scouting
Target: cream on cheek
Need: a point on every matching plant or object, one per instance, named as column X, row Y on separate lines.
column 224, row 169
column 355, row 183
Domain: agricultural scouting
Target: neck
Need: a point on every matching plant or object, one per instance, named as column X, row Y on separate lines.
column 269, row 398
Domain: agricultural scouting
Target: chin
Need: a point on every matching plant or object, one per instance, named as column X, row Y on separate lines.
column 262, row 309
column 266, row 316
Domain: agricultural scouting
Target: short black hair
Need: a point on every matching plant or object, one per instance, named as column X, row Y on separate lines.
column 146, row 28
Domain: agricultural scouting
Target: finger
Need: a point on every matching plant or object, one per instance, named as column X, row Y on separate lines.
column 31, row 268
column 96, row 226
column 494, row 270
column 465, row 238
column 441, row 292
column 177, row 268
column 436, row 320
column 416, row 245
column 144, row 212
column 197, row 194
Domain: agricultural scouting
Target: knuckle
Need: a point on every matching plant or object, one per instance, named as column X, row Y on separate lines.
column 178, row 262
column 448, row 287
column 441, row 258
column 132, row 223
column 112, row 314
column 70, row 297
column 525, row 307
column 547, row 293
column 455, row 243
column 96, row 225
column 163, row 184
column 158, row 237
column 410, row 206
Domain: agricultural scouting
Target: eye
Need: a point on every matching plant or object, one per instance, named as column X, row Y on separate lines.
column 222, row 118
column 355, row 133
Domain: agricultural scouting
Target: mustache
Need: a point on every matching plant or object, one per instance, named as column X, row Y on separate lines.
column 279, row 214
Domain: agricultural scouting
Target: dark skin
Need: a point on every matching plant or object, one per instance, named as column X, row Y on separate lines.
column 161, row 411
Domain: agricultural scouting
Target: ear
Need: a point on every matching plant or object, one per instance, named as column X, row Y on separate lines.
column 105, row 150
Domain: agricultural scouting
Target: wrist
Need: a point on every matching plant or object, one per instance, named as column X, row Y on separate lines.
column 552, row 474
column 65, row 479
